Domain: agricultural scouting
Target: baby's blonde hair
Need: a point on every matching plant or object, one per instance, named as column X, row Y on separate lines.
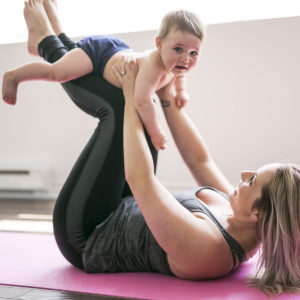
column 181, row 20
column 279, row 231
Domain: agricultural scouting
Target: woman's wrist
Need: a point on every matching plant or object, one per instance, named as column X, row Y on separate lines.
column 128, row 91
column 127, row 79
column 165, row 103
column 168, row 104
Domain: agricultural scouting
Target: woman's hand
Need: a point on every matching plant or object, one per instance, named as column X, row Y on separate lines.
column 127, row 77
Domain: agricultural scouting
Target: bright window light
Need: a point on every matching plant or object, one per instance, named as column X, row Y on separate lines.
column 81, row 18
column 35, row 217
column 26, row 226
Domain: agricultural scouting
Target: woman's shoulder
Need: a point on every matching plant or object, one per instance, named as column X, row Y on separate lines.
column 209, row 257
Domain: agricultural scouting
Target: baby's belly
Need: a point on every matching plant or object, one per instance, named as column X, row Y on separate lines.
column 116, row 60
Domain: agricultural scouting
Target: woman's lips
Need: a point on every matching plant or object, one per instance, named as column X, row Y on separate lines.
column 235, row 192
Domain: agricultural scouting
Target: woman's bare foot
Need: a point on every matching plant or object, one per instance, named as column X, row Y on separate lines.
column 38, row 24
column 51, row 10
column 9, row 88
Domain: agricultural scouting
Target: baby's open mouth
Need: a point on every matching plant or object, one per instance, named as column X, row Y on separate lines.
column 180, row 67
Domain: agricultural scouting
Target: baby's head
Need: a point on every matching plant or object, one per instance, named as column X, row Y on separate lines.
column 179, row 40
column 182, row 20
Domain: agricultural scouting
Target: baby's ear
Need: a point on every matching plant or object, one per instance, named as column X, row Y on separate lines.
column 158, row 42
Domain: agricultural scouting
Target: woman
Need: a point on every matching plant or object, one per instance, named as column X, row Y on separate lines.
column 199, row 234
column 263, row 210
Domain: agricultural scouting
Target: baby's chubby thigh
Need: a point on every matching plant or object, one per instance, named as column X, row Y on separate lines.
column 117, row 60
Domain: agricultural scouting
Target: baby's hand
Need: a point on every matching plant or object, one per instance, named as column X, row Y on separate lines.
column 181, row 98
column 159, row 140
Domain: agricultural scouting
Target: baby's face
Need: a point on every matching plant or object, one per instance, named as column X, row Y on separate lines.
column 179, row 51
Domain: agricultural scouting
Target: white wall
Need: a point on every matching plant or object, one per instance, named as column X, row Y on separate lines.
column 245, row 99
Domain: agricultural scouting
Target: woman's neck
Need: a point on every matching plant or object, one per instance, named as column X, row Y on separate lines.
column 245, row 232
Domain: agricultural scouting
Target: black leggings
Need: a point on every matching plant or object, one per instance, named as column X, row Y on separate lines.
column 96, row 184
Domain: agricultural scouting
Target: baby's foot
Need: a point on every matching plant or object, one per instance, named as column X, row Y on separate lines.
column 38, row 24
column 51, row 10
column 9, row 88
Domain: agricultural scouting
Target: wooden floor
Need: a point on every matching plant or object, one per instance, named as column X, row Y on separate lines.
column 23, row 293
column 27, row 216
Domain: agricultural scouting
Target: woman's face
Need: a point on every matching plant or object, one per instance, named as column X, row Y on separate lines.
column 249, row 189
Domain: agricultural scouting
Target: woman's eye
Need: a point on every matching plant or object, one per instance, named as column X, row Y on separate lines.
column 251, row 180
column 178, row 49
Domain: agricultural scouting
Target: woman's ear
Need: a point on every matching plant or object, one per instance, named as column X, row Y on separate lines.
column 254, row 215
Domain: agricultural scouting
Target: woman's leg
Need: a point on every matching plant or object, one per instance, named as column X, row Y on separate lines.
column 67, row 41
column 51, row 9
column 93, row 188
column 96, row 183
column 51, row 49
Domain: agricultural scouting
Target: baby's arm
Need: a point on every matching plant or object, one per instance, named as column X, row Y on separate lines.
column 182, row 96
column 145, row 87
column 74, row 64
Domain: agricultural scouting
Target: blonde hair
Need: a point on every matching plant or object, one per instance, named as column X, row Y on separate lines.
column 279, row 232
column 181, row 20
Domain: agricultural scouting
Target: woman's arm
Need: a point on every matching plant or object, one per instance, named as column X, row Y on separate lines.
column 191, row 144
column 176, row 229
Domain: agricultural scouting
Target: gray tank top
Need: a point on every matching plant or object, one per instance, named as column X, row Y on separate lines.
column 124, row 243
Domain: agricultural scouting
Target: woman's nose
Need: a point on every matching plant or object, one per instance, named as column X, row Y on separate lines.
column 242, row 176
column 246, row 175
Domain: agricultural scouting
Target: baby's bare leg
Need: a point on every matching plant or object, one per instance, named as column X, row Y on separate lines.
column 74, row 64
column 31, row 71
column 51, row 10
column 38, row 24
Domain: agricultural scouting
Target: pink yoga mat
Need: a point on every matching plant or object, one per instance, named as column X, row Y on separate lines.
column 33, row 260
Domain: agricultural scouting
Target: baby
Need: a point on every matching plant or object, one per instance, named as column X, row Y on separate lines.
column 177, row 50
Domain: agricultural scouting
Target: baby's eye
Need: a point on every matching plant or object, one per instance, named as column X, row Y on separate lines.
column 178, row 49
column 194, row 53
